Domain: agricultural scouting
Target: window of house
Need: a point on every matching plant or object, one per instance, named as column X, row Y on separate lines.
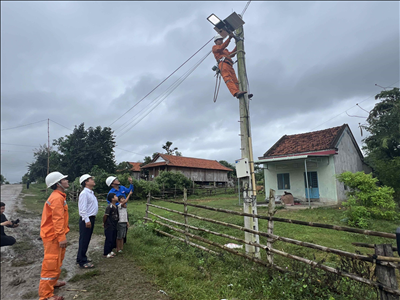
column 283, row 181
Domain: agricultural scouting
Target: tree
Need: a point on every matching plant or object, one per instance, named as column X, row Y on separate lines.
column 83, row 149
column 2, row 179
column 231, row 174
column 37, row 170
column 167, row 147
column 383, row 144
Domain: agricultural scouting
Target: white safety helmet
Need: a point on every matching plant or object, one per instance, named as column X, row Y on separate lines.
column 54, row 177
column 110, row 180
column 84, row 177
column 218, row 37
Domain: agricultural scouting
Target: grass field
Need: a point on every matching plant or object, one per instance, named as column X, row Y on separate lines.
column 185, row 272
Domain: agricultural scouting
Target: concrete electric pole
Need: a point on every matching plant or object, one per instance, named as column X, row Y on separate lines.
column 249, row 182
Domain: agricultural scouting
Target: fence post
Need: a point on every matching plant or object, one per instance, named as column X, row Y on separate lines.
column 386, row 274
column 175, row 192
column 270, row 230
column 147, row 206
column 185, row 210
column 163, row 190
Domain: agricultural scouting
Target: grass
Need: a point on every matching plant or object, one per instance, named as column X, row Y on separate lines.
column 188, row 273
column 85, row 276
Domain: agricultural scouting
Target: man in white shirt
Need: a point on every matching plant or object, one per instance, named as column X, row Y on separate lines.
column 88, row 208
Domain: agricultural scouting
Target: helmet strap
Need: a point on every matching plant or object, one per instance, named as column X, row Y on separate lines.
column 60, row 185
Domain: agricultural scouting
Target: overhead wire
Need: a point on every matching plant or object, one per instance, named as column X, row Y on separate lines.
column 245, row 8
column 18, row 145
column 162, row 82
column 61, row 125
column 23, row 125
column 157, row 101
column 348, row 109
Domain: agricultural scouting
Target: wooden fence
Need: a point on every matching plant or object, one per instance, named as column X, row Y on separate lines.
column 383, row 260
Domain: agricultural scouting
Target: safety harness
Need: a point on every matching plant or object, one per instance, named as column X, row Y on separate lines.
column 218, row 76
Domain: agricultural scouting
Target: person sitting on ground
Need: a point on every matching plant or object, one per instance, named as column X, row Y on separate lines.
column 110, row 224
column 123, row 222
column 6, row 240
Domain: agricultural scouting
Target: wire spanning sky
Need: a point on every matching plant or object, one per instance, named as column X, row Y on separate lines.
column 74, row 62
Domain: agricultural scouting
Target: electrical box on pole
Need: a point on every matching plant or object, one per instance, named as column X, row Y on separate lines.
column 242, row 168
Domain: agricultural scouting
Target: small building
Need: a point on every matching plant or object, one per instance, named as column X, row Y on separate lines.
column 135, row 171
column 321, row 155
column 201, row 171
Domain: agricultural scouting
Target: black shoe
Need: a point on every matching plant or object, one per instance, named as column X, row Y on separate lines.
column 250, row 96
column 240, row 94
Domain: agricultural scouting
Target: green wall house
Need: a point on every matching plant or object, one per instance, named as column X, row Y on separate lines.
column 321, row 155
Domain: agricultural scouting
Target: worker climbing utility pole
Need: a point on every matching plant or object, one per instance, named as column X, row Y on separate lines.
column 226, row 27
column 248, row 183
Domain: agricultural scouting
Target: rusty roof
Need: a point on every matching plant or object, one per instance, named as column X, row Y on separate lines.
column 307, row 142
column 135, row 166
column 186, row 162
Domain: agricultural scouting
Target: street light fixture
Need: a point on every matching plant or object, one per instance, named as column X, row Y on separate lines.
column 227, row 26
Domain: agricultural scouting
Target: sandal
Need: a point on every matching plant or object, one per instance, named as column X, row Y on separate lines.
column 55, row 298
column 109, row 255
column 60, row 284
column 87, row 266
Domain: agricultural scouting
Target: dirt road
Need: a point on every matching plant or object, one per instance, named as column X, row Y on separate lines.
column 21, row 263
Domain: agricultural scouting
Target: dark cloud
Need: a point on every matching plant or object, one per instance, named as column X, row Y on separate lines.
column 90, row 62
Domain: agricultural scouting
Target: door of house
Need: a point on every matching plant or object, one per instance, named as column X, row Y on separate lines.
column 312, row 185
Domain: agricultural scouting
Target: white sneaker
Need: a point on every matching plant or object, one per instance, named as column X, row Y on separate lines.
column 112, row 253
column 109, row 255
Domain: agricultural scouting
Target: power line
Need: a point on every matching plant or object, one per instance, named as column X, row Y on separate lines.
column 15, row 151
column 60, row 125
column 162, row 82
column 165, row 94
column 18, row 145
column 162, row 97
column 129, row 151
column 24, row 125
column 348, row 109
column 245, row 8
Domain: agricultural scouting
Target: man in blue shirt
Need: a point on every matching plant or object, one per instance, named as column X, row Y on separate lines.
column 117, row 188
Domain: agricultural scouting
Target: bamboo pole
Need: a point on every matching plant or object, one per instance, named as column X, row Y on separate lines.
column 336, row 271
column 284, row 254
column 312, row 224
column 270, row 230
column 284, row 239
column 365, row 245
column 147, row 205
column 259, row 261
column 185, row 210
column 190, row 243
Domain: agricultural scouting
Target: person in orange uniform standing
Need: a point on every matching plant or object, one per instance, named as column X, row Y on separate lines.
column 53, row 230
column 225, row 64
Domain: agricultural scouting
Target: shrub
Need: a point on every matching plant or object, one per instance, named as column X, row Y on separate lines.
column 170, row 179
column 366, row 199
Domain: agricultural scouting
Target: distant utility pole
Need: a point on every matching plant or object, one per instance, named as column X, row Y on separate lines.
column 48, row 146
column 249, row 183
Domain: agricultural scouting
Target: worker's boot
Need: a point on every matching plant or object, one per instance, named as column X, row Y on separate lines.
column 250, row 96
column 238, row 94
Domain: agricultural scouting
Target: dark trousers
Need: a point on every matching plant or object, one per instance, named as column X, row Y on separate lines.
column 111, row 240
column 7, row 240
column 85, row 234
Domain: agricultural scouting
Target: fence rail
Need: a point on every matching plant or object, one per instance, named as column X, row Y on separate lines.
column 385, row 264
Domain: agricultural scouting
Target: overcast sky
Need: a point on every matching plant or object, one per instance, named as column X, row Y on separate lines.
column 74, row 62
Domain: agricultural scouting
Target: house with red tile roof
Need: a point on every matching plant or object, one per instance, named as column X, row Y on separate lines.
column 306, row 164
column 201, row 171
column 135, row 171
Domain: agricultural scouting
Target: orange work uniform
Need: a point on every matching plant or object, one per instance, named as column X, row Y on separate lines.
column 225, row 67
column 53, row 229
